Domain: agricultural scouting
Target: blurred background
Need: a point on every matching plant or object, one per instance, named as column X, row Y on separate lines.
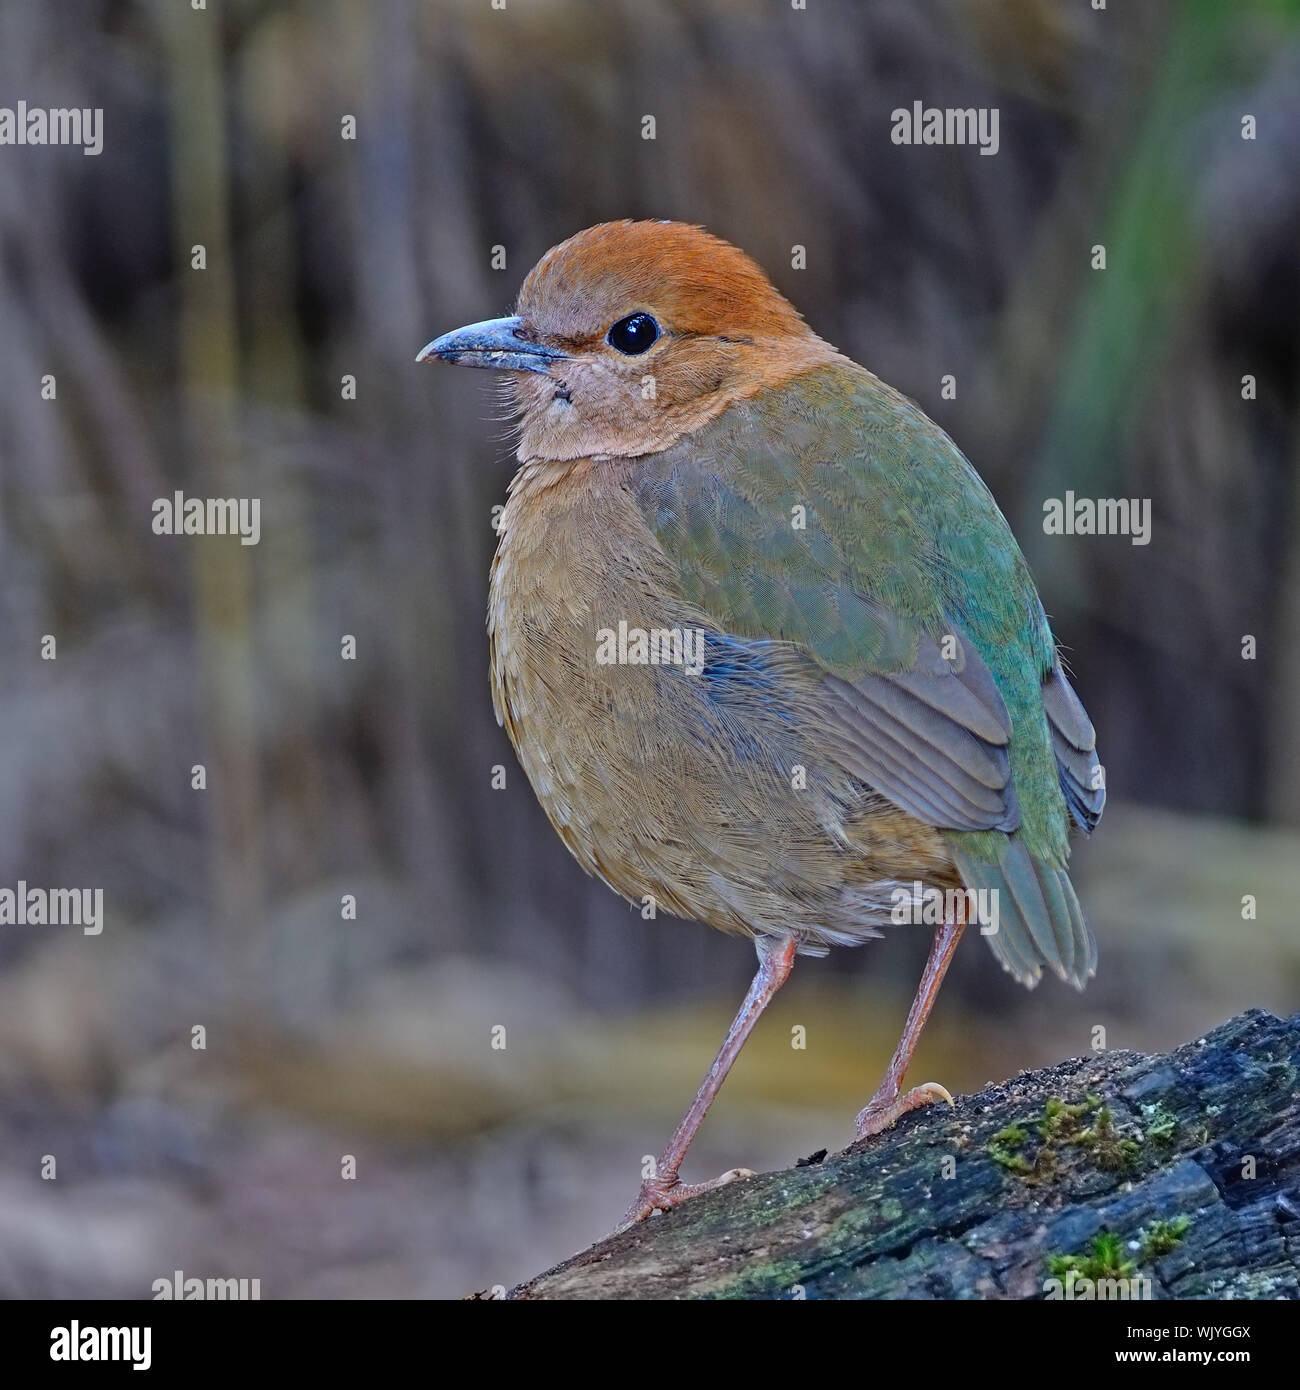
column 477, row 128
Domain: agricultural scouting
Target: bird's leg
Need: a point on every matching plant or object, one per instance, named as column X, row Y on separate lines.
column 665, row 1189
column 887, row 1106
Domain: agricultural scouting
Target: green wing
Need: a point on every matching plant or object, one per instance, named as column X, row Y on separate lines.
column 833, row 515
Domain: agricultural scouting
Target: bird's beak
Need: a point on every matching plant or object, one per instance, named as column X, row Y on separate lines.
column 492, row 343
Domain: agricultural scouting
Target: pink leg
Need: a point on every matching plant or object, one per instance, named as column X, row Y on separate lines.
column 886, row 1107
column 666, row 1189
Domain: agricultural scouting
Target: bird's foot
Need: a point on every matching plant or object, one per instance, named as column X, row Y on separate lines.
column 659, row 1194
column 887, row 1107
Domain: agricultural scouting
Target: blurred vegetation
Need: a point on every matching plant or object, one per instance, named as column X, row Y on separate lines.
column 479, row 128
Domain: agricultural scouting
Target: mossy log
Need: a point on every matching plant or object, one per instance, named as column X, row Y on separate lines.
column 1182, row 1170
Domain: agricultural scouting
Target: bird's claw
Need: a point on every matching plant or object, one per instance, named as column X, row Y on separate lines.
column 883, row 1112
column 657, row 1194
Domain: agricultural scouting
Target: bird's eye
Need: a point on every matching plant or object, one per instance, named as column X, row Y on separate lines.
column 633, row 334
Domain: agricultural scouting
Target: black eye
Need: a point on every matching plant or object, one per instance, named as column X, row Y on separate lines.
column 633, row 334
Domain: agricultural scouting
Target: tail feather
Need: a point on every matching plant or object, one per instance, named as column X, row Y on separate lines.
column 1039, row 920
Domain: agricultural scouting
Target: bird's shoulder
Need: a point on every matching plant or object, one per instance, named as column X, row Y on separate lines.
column 834, row 513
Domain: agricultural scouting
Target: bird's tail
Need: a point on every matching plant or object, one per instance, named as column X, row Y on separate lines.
column 1039, row 920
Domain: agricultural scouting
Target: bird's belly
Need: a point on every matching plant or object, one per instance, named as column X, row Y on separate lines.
column 669, row 769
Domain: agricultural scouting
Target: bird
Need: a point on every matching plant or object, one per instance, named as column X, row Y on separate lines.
column 764, row 644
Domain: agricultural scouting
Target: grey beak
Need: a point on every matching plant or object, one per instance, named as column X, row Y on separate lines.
column 492, row 343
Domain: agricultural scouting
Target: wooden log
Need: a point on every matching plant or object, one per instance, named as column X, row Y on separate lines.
column 1174, row 1176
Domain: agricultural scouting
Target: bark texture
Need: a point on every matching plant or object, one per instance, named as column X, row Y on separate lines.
column 1182, row 1169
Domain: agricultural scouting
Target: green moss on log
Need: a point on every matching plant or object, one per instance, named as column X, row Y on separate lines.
column 1186, row 1165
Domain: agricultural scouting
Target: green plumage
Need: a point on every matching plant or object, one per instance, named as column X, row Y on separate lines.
column 834, row 516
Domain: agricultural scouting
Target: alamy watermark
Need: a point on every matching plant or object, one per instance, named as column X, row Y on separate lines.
column 58, row 125
column 1077, row 1288
column 1100, row 516
column 192, row 1289
column 73, row 1342
column 919, row 905
column 53, row 907
column 656, row 646
column 179, row 515
column 948, row 125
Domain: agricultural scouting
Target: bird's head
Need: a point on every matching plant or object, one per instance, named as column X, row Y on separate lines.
column 631, row 334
